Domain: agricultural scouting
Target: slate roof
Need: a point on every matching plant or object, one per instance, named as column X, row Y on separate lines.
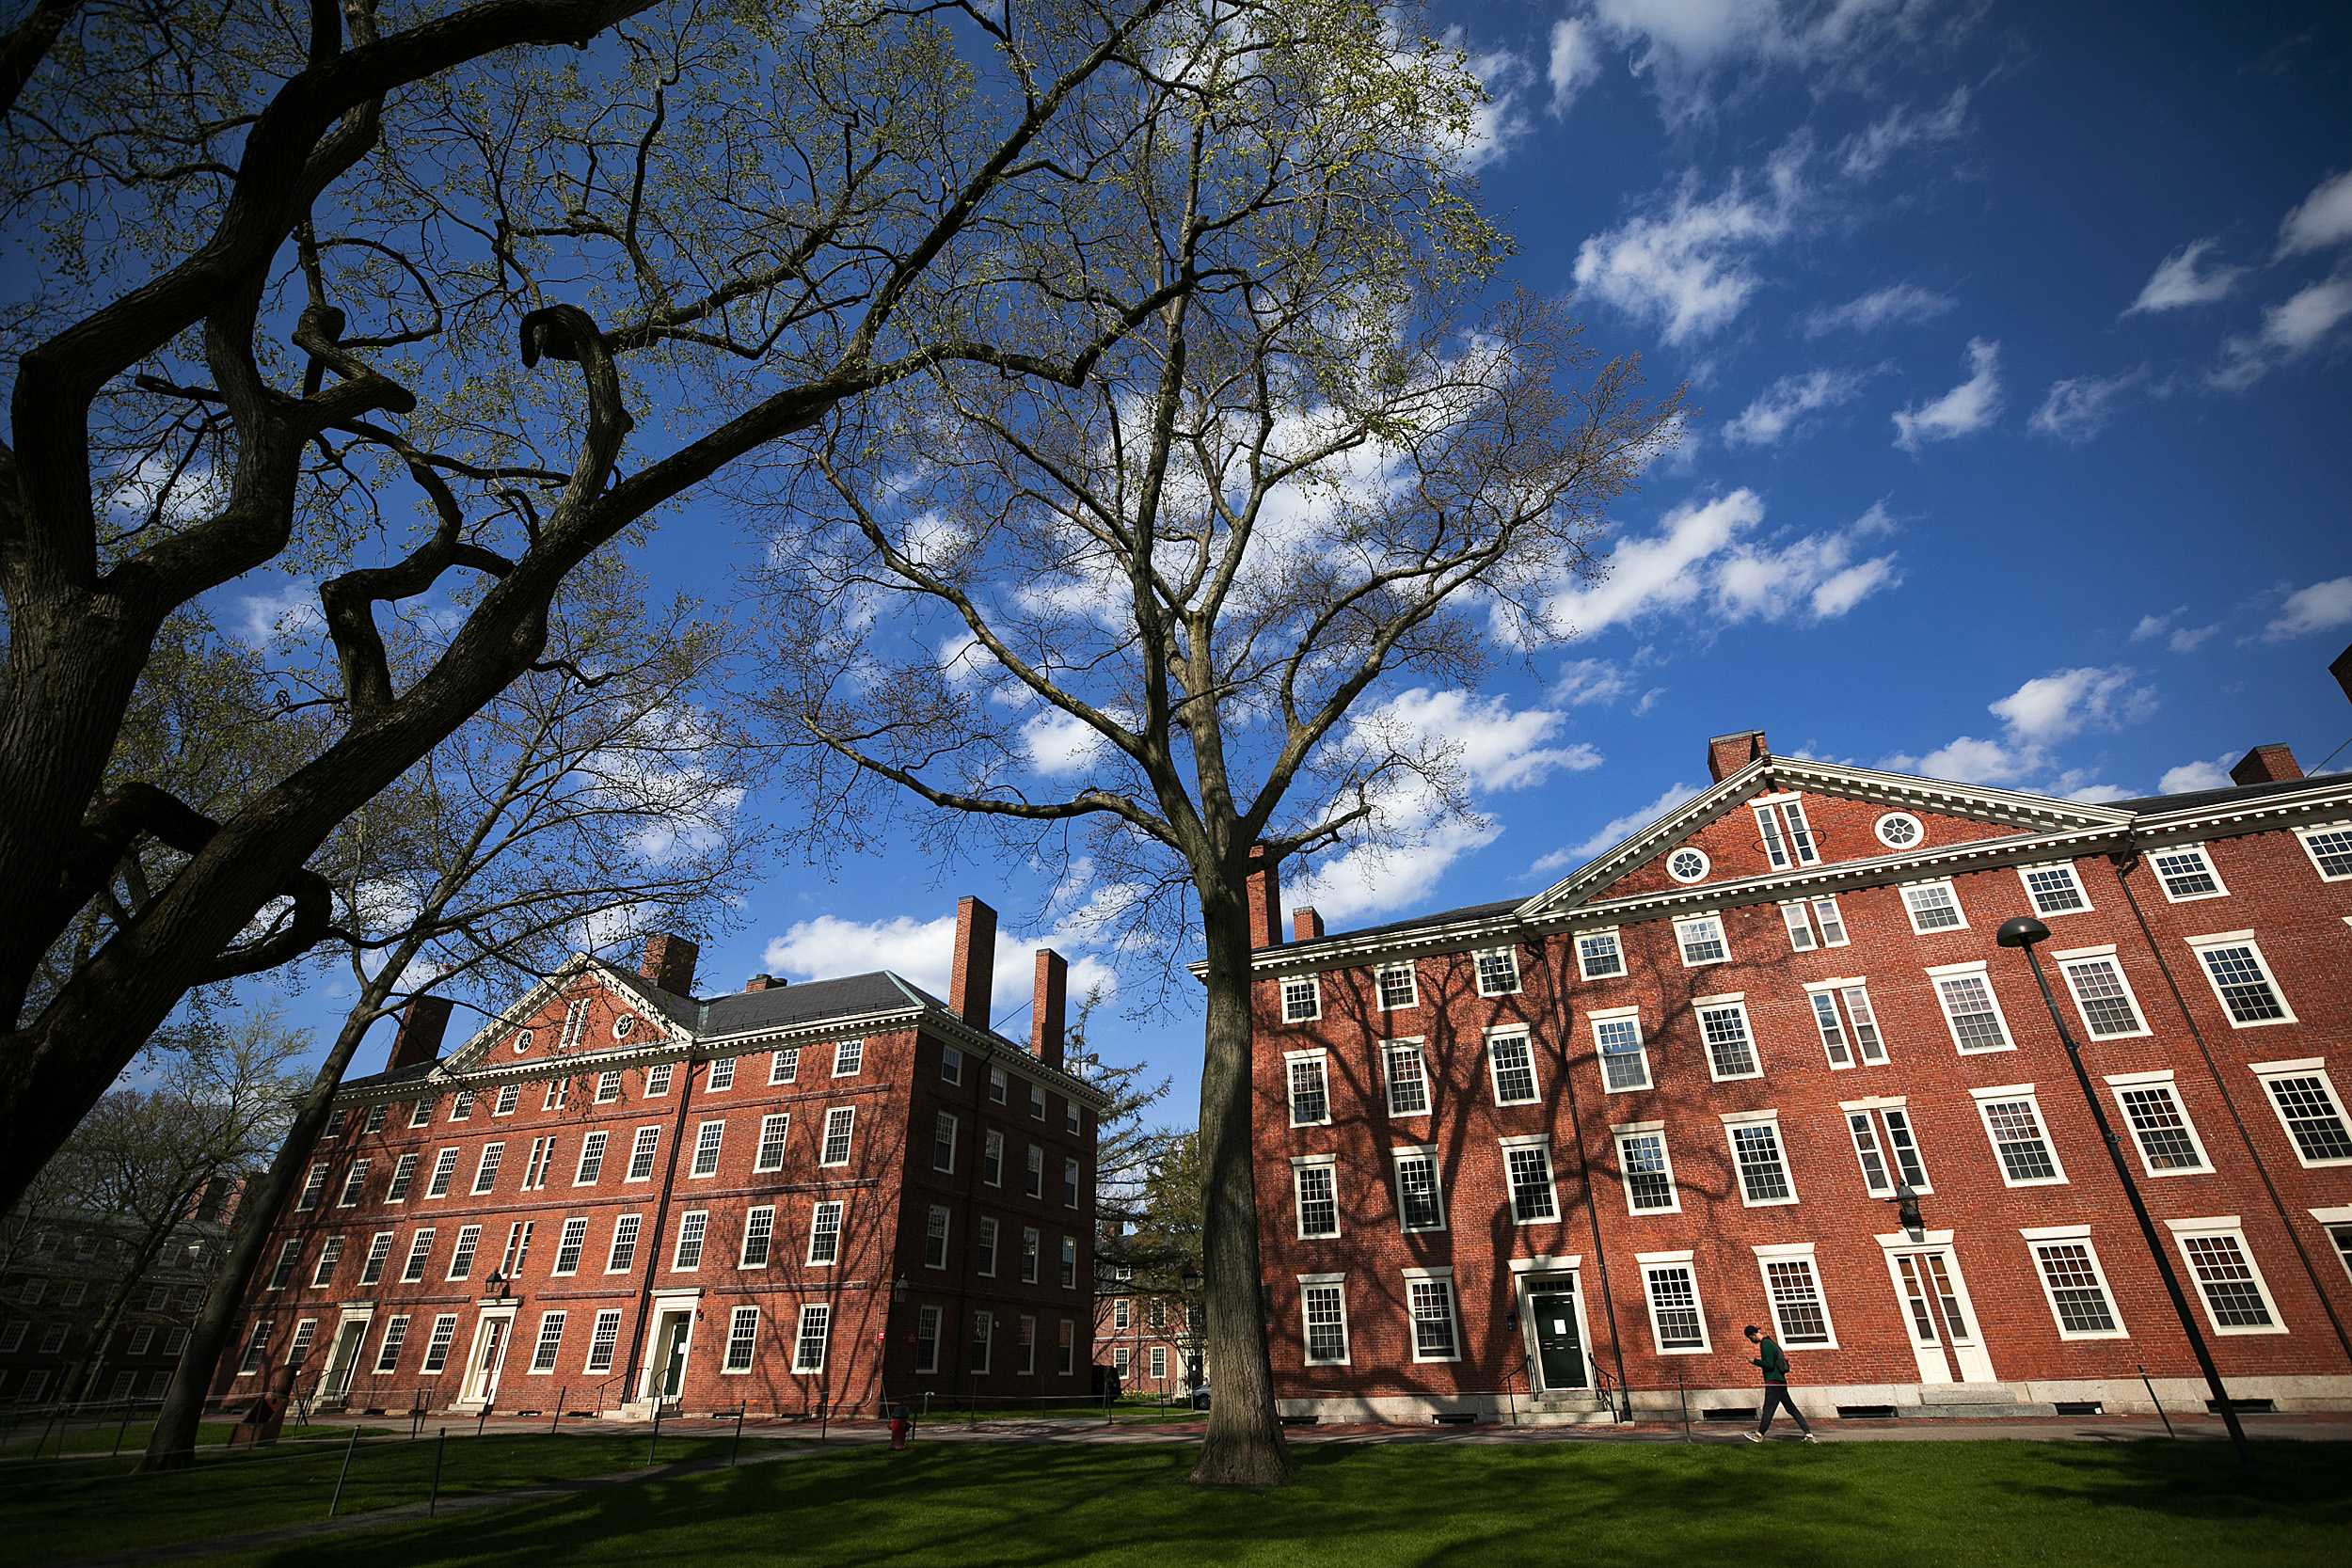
column 781, row 1007
column 2197, row 799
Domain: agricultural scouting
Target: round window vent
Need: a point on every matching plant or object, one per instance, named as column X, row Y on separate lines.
column 623, row 1024
column 1899, row 829
column 1687, row 864
column 522, row 1042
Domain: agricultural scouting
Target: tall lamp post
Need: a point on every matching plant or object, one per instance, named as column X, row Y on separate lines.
column 2025, row 931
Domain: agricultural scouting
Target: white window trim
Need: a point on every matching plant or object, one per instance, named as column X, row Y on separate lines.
column 2232, row 1226
column 1347, row 1337
column 1733, row 1119
column 2197, row 945
column 1428, row 1095
column 1494, row 1077
column 2107, row 951
column 1552, row 1170
column 2074, row 1235
column 1600, row 1059
column 1397, row 1154
column 1478, row 972
column 2306, row 1066
column 1918, row 930
column 2004, row 1093
column 1453, row 1311
column 1624, row 1129
column 1290, row 1100
column 1314, row 987
column 1648, row 1261
column 2118, row 1082
column 691, row 1173
column 1706, row 864
column 2221, row 889
column 1576, row 938
column 1722, row 938
column 1737, row 999
column 1782, row 1252
column 2034, row 906
column 1918, row 830
column 2303, row 837
column 1299, row 1217
column 1977, row 967
column 1379, row 985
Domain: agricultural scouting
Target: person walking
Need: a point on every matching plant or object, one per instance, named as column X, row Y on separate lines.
column 1775, row 1364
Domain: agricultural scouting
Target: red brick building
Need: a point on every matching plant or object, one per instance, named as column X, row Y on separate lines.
column 792, row 1198
column 1524, row 1155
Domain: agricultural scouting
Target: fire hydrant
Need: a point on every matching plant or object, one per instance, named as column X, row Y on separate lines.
column 898, row 1427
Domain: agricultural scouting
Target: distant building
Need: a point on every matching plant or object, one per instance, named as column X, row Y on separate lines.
column 1146, row 1333
column 1551, row 1153
column 62, row 1266
column 793, row 1198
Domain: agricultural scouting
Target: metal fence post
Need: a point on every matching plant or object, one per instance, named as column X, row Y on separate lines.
column 735, row 1451
column 1683, row 1393
column 432, row 1499
column 349, row 1448
column 561, row 1395
column 652, row 1446
column 120, row 1430
column 2158, row 1404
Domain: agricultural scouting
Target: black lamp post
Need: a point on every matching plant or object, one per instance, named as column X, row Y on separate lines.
column 2025, row 931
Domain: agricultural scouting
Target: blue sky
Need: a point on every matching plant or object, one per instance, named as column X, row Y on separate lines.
column 2024, row 337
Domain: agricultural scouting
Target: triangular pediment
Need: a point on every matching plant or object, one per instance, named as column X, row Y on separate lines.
column 1845, row 811
column 618, row 1015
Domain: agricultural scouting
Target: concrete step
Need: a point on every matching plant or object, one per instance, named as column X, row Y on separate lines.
column 1995, row 1410
column 1967, row 1393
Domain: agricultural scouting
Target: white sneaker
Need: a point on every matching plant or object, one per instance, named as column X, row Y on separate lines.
column 1753, row 1436
column 1810, row 1438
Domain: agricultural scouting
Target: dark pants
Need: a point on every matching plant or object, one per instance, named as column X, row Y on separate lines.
column 1777, row 1396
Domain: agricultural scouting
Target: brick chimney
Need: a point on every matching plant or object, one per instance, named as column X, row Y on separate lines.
column 422, row 1024
column 972, row 980
column 1728, row 753
column 763, row 982
column 2341, row 670
column 1306, row 925
column 1265, row 897
column 2271, row 764
column 1049, row 1004
column 670, row 963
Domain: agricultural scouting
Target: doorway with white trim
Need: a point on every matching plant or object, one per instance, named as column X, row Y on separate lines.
column 1933, row 1296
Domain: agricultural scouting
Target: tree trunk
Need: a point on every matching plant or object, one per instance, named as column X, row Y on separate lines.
column 172, row 1445
column 1244, row 1445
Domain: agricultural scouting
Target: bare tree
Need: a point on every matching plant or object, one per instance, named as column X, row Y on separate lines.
column 594, row 801
column 1146, row 620
column 434, row 311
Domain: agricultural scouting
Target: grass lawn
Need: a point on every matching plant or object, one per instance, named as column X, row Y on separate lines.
column 2147, row 1504
column 80, row 1508
column 103, row 1438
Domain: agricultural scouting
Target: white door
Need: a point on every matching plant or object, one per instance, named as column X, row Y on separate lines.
column 489, row 1358
column 665, row 1372
column 344, row 1357
column 1945, row 1335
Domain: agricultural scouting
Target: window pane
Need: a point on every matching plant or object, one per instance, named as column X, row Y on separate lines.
column 1865, row 1024
column 1833, row 925
column 743, row 1339
column 2163, row 1131
column 1318, row 1201
column 2185, row 873
column 1674, row 1306
column 1432, row 1319
column 1762, row 1175
column 2245, row 989
column 1599, row 956
column 2312, row 1117
column 1968, row 1001
column 2055, row 890
column 1648, row 1183
column 2332, row 849
column 1408, row 1082
column 2228, row 1280
column 1300, row 998
column 1326, row 1324
column 1624, row 1064
column 1498, row 973
column 1832, row 1033
column 1513, row 1069
column 1531, row 1196
column 1419, row 1204
column 1800, row 926
column 1310, row 1103
column 2082, row 1303
column 1932, row 908
column 1797, row 1303
column 2107, row 1006
column 1865, row 1143
column 1906, row 1148
column 1396, row 986
column 1728, row 1047
column 1702, row 941
column 2017, row 1138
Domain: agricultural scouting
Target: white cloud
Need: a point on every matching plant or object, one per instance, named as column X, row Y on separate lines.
column 2196, row 775
column 2322, row 607
column 1685, row 48
column 1495, row 748
column 1779, row 407
column 1684, row 266
column 1967, row 407
column 921, row 952
column 1575, row 62
column 292, row 611
column 2100, row 794
column 2180, row 639
column 1894, row 305
column 1902, row 129
column 1702, row 558
column 1593, row 680
column 1060, row 744
column 2177, row 282
column 2036, row 716
column 2078, row 408
column 1613, row 831
column 2324, row 219
column 2291, row 328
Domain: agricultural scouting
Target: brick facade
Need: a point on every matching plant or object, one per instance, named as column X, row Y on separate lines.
column 729, row 1201
column 1779, row 1055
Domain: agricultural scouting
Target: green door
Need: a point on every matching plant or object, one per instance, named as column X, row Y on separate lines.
column 1557, row 1347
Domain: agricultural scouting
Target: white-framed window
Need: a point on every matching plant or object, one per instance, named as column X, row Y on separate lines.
column 1799, row 1315
column 1037, row 1103
column 706, row 1140
column 2229, row 1281
column 1302, row 998
column 2054, row 890
column 935, row 1238
column 461, row 1255
column 2103, row 997
column 1396, row 987
column 1849, row 1026
column 1646, row 1167
column 984, row 1248
column 535, row 1166
column 1159, row 1363
column 783, row 1067
column 771, row 1131
column 759, row 1234
column 1311, row 1096
column 314, row 1182
column 1965, row 992
column 641, row 1154
column 1033, row 1176
column 722, row 1074
column 849, row 1057
column 2168, row 1141
column 1677, row 1324
column 419, row 1250
column 839, row 1123
column 1430, row 1296
column 1316, row 1188
column 420, row 1114
column 1122, row 1315
column 2331, row 849
column 983, row 1340
column 1029, row 1246
column 1070, row 1183
column 1934, row 907
column 992, row 1158
column 2012, row 1120
column 604, row 1335
column 1420, row 1192
column 485, row 1170
column 551, row 1345
column 692, row 1228
column 461, row 1105
column 1688, row 863
column 321, row 1275
column 658, row 1080
column 1757, row 1154
column 1730, row 1046
column 1617, row 1040
column 1069, row 1262
column 1510, row 1064
column 950, row 1064
column 808, row 1345
column 1526, row 1164
column 742, row 1340
column 255, row 1348
column 1701, row 940
column 999, row 1085
column 437, row 1345
column 1885, row 1147
column 1786, row 837
column 623, row 1253
column 2186, row 872
column 2338, row 1234
column 1599, row 956
column 1899, row 829
column 380, row 1253
column 2074, row 1283
column 395, row 1335
column 1323, row 1313
column 1071, row 1121
column 1803, row 915
column 824, row 1234
column 356, row 1182
column 2241, row 979
column 926, row 1320
column 1497, row 971
column 1408, row 1077
column 403, row 1173
column 374, row 1122
column 2305, row 1099
column 508, row 1096
column 608, row 1087
column 575, row 1024
column 570, row 1244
